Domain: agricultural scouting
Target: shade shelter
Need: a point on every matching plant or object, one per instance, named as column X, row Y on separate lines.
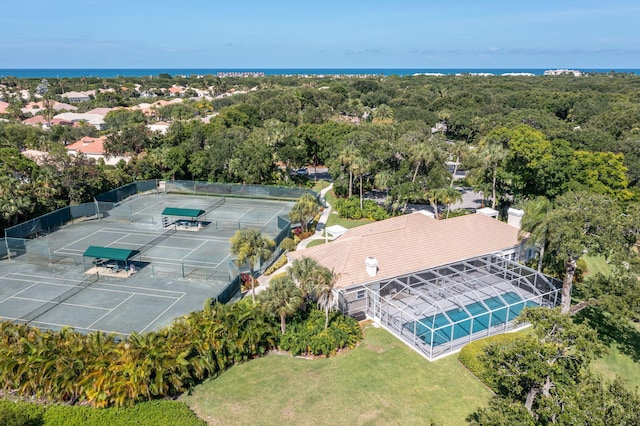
column 192, row 214
column 109, row 253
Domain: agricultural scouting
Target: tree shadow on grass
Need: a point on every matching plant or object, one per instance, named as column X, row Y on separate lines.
column 613, row 331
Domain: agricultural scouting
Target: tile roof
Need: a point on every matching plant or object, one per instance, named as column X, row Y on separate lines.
column 88, row 145
column 410, row 243
column 100, row 111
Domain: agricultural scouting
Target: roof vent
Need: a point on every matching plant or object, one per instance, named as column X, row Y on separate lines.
column 371, row 265
column 488, row 211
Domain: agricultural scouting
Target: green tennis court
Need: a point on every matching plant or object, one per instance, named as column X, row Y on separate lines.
column 53, row 281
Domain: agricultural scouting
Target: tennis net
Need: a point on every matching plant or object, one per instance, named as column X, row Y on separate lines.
column 215, row 205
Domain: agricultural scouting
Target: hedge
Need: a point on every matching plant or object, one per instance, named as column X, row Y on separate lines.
column 471, row 354
column 153, row 413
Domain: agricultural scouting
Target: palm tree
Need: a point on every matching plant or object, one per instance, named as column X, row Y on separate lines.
column 283, row 298
column 448, row 196
column 304, row 210
column 346, row 157
column 304, row 272
column 425, row 152
column 360, row 166
column 535, row 222
column 492, row 155
column 383, row 114
column 434, row 196
column 250, row 246
column 326, row 281
column 457, row 151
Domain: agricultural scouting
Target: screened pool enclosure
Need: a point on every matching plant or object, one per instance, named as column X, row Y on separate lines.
column 439, row 310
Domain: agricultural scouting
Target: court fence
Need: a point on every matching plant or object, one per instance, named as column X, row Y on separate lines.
column 235, row 190
column 23, row 242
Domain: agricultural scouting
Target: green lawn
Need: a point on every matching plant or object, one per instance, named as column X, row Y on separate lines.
column 315, row 243
column 597, row 264
column 382, row 381
column 320, row 185
column 616, row 363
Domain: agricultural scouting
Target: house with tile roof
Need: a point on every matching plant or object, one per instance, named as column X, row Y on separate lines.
column 95, row 120
column 435, row 284
column 41, row 121
column 36, row 107
column 94, row 148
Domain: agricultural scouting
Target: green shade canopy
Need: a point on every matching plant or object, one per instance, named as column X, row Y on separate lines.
column 110, row 253
column 175, row 211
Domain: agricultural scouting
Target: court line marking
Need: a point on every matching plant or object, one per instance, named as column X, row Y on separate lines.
column 98, row 283
column 109, row 311
column 146, row 208
column 73, row 252
column 80, row 328
column 159, row 315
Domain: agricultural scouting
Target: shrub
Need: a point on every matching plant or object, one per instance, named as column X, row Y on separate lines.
column 20, row 413
column 471, row 354
column 95, row 369
column 282, row 260
column 350, row 209
column 288, row 244
column 306, row 334
column 153, row 413
column 306, row 234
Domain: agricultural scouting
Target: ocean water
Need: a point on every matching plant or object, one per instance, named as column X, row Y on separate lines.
column 143, row 72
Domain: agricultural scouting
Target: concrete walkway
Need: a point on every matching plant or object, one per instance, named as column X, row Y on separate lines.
column 322, row 222
column 263, row 280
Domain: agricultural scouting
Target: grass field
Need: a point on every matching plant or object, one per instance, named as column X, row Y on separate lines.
column 597, row 264
column 382, row 381
column 617, row 363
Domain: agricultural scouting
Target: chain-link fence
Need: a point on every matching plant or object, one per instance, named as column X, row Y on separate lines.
column 237, row 190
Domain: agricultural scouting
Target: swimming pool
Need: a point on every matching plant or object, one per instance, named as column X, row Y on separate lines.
column 457, row 323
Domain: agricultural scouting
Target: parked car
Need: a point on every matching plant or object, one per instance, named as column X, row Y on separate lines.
column 302, row 171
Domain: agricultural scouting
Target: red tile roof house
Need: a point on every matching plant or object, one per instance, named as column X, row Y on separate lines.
column 36, row 107
column 3, row 107
column 94, row 148
column 41, row 121
column 435, row 284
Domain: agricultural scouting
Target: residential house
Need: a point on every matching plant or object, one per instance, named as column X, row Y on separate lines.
column 435, row 284
column 94, row 148
column 76, row 97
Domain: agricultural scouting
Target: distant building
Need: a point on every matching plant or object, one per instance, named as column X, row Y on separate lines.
column 94, row 120
column 94, row 148
column 574, row 73
column 160, row 126
column 75, row 97
column 41, row 121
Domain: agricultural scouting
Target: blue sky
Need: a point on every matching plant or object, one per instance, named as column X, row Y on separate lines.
column 327, row 34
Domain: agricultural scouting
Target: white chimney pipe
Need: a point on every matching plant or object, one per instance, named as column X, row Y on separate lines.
column 515, row 217
column 371, row 265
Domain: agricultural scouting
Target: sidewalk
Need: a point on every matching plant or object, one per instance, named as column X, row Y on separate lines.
column 263, row 280
column 321, row 222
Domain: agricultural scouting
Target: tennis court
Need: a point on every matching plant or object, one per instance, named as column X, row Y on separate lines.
column 42, row 299
column 166, row 249
column 50, row 284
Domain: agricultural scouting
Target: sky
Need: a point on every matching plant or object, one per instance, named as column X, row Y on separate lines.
column 248, row 34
